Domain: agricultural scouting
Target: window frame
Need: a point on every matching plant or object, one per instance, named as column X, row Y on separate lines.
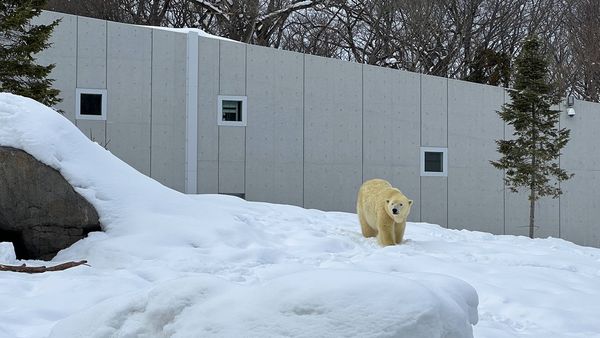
column 244, row 112
column 92, row 91
column 444, row 152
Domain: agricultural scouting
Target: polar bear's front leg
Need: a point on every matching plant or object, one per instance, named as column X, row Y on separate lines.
column 399, row 229
column 385, row 234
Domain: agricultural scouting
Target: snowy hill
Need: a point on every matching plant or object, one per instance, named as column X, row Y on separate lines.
column 170, row 264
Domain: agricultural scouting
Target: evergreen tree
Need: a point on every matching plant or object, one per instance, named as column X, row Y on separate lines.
column 530, row 158
column 19, row 42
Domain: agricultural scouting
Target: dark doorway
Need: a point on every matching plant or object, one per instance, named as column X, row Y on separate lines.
column 16, row 238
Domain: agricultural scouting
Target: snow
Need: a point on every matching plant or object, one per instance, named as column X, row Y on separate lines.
column 187, row 30
column 170, row 264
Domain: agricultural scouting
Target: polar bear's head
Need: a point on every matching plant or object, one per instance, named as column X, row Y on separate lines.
column 398, row 208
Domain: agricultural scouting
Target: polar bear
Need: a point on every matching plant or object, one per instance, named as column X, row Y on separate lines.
column 382, row 211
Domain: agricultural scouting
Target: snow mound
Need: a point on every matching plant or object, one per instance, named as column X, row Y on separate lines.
column 170, row 264
column 319, row 303
column 7, row 253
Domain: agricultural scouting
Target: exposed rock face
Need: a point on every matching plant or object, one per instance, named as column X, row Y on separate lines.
column 40, row 212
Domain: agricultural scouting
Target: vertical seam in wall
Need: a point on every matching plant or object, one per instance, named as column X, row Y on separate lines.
column 218, row 127
column 504, row 172
column 420, row 145
column 191, row 116
column 246, row 127
column 303, row 125
column 362, row 123
column 449, row 152
column 151, row 92
column 76, row 69
column 106, row 80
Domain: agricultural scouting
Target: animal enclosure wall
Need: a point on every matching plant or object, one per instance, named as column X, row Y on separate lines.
column 316, row 128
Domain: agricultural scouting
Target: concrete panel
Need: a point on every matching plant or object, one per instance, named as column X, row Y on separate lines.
column 391, row 132
column 232, row 140
column 63, row 54
column 232, row 156
column 232, row 68
column 579, row 208
column 434, row 200
column 547, row 213
column 129, row 82
column 208, row 132
column 580, row 203
column 91, row 53
column 94, row 130
column 168, row 108
column 582, row 150
column 274, row 150
column 434, row 111
column 434, row 133
column 475, row 188
column 332, row 133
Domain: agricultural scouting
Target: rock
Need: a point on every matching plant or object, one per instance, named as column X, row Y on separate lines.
column 40, row 212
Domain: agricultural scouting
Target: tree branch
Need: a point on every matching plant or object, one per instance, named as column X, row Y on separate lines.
column 40, row 269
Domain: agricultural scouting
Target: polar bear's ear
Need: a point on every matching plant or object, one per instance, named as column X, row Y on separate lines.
column 409, row 202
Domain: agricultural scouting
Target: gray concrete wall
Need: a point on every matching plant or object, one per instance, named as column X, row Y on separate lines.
column 274, row 135
column 232, row 140
column 317, row 128
column 580, row 204
column 64, row 48
column 129, row 70
column 168, row 108
column 434, row 133
column 391, row 130
column 332, row 133
column 91, row 71
column 475, row 188
column 208, row 132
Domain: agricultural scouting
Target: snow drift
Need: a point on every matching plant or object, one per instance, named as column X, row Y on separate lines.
column 179, row 265
column 170, row 264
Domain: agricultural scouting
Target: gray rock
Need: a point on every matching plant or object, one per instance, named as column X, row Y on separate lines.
column 40, row 212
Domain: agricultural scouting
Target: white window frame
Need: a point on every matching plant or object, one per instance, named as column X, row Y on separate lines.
column 444, row 152
column 244, row 120
column 78, row 115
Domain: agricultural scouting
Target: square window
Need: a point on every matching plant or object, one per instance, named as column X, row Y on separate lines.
column 434, row 161
column 90, row 104
column 232, row 111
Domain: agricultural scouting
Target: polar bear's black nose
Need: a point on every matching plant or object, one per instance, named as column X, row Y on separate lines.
column 394, row 211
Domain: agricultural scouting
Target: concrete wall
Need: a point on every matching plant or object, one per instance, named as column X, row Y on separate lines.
column 475, row 188
column 391, row 130
column 168, row 108
column 433, row 96
column 142, row 70
column 332, row 133
column 274, row 135
column 232, row 140
column 316, row 128
column 580, row 205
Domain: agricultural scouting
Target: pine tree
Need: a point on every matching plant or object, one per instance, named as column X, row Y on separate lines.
column 530, row 158
column 19, row 42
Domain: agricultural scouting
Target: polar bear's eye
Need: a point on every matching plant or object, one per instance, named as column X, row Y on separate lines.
column 401, row 205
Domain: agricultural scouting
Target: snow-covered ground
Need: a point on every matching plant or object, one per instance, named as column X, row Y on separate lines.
column 179, row 265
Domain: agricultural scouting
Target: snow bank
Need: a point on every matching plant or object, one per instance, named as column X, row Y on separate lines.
column 7, row 253
column 170, row 264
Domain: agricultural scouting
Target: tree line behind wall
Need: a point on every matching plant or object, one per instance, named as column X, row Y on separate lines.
column 473, row 40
